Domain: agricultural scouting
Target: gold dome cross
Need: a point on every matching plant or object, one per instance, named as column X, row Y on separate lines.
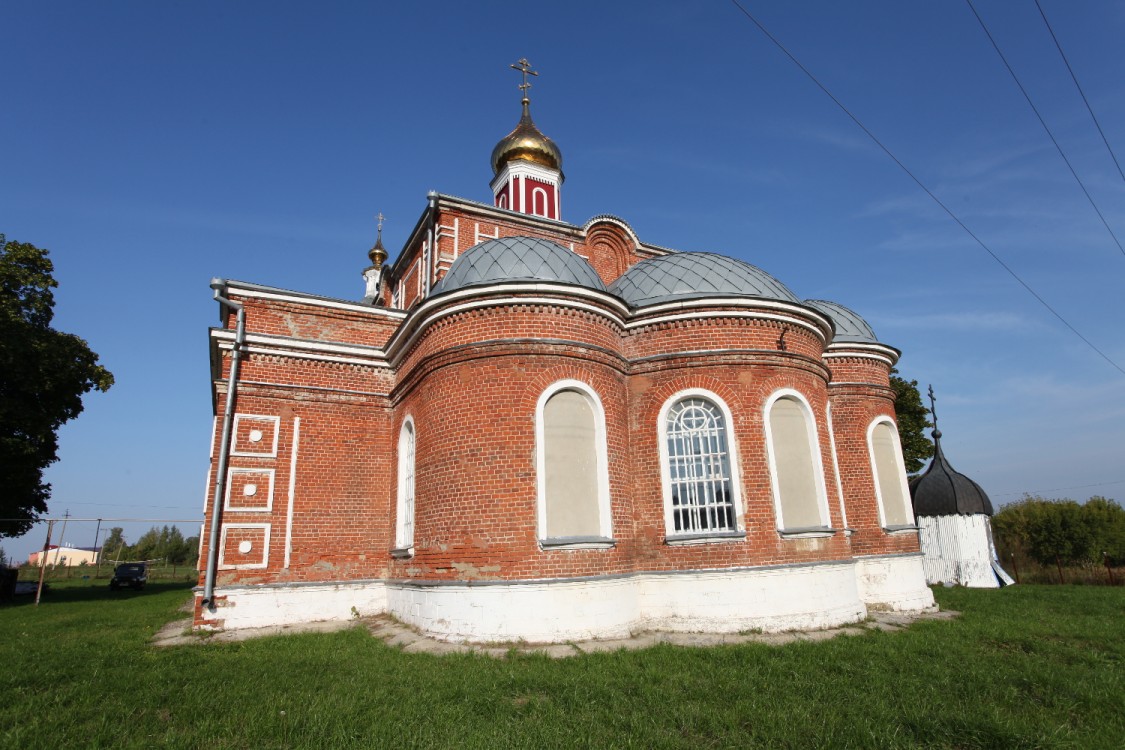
column 524, row 67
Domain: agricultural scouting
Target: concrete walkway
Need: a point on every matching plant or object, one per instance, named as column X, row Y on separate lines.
column 394, row 633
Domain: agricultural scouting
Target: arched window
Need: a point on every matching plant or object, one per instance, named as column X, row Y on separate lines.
column 795, row 469
column 573, row 470
column 404, row 524
column 700, row 491
column 889, row 473
column 539, row 201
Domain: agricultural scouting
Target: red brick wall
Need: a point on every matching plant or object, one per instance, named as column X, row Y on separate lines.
column 471, row 381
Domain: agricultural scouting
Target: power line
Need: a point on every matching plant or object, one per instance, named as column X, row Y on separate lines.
column 1043, row 122
column 925, row 189
column 1059, row 489
column 118, row 520
column 1081, row 93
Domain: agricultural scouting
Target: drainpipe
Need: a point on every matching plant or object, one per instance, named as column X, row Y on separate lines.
column 224, row 445
column 432, row 265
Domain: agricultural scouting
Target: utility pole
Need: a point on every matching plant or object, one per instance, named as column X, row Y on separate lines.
column 97, row 552
column 62, row 536
column 43, row 562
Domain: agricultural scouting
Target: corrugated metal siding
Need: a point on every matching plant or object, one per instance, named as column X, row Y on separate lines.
column 958, row 551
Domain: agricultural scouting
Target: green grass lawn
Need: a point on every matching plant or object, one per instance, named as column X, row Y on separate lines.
column 1024, row 667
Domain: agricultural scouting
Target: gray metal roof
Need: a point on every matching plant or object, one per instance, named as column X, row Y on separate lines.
column 694, row 275
column 849, row 326
column 943, row 491
column 518, row 259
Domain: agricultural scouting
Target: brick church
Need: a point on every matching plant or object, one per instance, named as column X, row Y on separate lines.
column 532, row 429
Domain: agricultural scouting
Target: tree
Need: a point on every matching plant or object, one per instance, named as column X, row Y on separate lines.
column 912, row 423
column 166, row 544
column 147, row 546
column 1062, row 530
column 113, row 544
column 43, row 376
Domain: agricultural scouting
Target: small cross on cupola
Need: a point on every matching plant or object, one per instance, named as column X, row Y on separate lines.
column 372, row 275
column 527, row 164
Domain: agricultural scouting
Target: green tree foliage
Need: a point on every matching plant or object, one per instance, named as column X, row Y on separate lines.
column 43, row 375
column 1062, row 530
column 912, row 423
column 114, row 544
column 166, row 544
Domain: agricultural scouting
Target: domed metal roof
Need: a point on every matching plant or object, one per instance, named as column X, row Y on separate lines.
column 943, row 491
column 849, row 326
column 693, row 275
column 526, row 142
column 518, row 259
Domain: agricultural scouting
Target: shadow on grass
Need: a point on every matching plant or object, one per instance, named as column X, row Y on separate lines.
column 85, row 592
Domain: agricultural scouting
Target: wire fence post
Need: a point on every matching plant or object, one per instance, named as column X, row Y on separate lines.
column 1108, row 569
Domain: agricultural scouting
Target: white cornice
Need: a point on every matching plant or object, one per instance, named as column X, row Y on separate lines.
column 535, row 171
column 679, row 310
column 504, row 295
column 881, row 352
column 240, row 289
column 321, row 351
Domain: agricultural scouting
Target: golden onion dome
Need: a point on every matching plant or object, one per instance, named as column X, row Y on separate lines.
column 526, row 143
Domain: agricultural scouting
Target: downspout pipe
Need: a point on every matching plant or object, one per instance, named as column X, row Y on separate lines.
column 224, row 445
column 432, row 197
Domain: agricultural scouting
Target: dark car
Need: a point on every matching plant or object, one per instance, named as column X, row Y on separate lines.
column 134, row 575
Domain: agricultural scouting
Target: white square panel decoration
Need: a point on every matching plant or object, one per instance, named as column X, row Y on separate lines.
column 249, row 491
column 244, row 546
column 255, row 435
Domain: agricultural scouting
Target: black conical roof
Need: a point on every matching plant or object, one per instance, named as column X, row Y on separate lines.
column 943, row 491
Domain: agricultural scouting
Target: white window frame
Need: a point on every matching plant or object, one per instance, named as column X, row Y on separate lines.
column 814, row 448
column 605, row 516
column 900, row 464
column 405, row 505
column 671, row 535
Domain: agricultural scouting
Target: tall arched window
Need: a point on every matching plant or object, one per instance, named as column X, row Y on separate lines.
column 889, row 473
column 404, row 524
column 699, row 478
column 573, row 470
column 539, row 201
column 795, row 467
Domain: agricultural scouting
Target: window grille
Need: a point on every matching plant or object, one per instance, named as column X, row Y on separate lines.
column 699, row 468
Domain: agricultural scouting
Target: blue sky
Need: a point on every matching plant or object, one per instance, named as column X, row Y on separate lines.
column 153, row 146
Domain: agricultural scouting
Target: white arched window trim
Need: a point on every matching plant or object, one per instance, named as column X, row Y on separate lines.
column 605, row 521
column 407, row 466
column 836, row 470
column 900, row 464
column 672, row 536
column 539, row 205
column 818, row 464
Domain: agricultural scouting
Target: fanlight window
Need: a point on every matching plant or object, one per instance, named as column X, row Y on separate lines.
column 404, row 529
column 699, row 468
column 890, row 474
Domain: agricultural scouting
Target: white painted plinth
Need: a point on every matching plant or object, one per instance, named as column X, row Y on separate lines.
column 895, row 583
column 280, row 604
column 767, row 599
